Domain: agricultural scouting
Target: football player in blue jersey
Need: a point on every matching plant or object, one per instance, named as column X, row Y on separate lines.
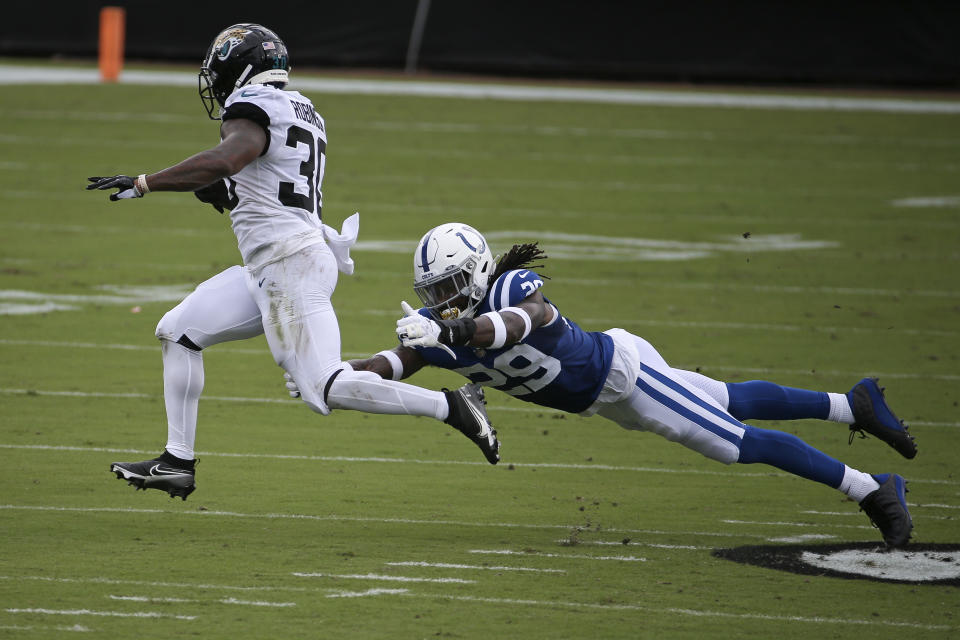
column 491, row 322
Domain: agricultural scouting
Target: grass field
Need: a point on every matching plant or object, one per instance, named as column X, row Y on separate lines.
column 748, row 243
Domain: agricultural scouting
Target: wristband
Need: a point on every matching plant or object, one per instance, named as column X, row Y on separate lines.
column 527, row 325
column 457, row 332
column 395, row 363
column 499, row 329
column 141, row 184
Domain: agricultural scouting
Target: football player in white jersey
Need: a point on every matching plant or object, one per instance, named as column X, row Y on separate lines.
column 267, row 169
column 491, row 322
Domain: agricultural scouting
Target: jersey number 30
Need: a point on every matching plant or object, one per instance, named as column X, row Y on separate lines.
column 311, row 169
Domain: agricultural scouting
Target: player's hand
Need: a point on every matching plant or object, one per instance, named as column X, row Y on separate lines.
column 291, row 385
column 126, row 185
column 416, row 331
column 217, row 195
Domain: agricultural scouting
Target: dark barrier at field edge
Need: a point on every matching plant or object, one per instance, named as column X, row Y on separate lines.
column 882, row 43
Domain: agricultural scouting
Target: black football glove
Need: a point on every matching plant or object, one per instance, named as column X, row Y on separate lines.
column 216, row 193
column 127, row 186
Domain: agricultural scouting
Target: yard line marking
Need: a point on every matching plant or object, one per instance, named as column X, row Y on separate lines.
column 686, row 612
column 753, row 326
column 335, row 518
column 135, row 347
column 15, row 627
column 517, row 465
column 857, row 513
column 358, row 354
column 540, row 554
column 257, row 603
column 368, row 592
column 251, row 603
column 447, row 565
column 375, row 576
column 146, row 599
column 631, row 543
column 10, row 74
column 111, row 614
column 798, row 524
column 933, row 201
column 809, row 537
column 148, row 583
column 363, row 354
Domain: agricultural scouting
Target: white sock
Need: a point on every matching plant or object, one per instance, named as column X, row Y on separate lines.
column 182, row 386
column 840, row 409
column 368, row 392
column 856, row 484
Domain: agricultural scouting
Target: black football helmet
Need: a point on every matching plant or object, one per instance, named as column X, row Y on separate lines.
column 240, row 55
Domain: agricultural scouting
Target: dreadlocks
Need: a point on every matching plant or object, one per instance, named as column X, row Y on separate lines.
column 519, row 257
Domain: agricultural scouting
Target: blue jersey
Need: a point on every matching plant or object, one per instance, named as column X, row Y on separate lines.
column 559, row 365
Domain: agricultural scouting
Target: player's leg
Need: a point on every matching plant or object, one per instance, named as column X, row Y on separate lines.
column 304, row 336
column 668, row 405
column 863, row 407
column 218, row 310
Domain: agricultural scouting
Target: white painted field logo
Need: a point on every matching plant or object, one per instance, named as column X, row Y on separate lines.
column 914, row 564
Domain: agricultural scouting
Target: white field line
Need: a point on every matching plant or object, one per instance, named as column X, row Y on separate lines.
column 527, row 184
column 79, row 628
column 809, row 537
column 719, row 367
column 447, row 565
column 379, row 460
column 335, row 518
column 753, row 326
column 534, row 603
column 926, row 516
column 798, row 524
column 110, row 614
column 697, row 613
column 248, row 603
column 540, row 554
column 153, row 583
column 631, row 543
column 922, row 202
column 10, row 74
column 146, row 599
column 368, row 593
column 379, row 577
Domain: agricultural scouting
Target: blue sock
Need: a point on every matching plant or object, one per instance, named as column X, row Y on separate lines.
column 789, row 453
column 760, row 400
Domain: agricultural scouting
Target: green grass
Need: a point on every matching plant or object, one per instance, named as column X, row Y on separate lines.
column 282, row 490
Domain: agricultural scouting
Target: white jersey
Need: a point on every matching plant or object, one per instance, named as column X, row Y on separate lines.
column 279, row 198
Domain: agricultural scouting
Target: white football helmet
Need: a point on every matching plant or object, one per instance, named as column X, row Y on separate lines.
column 451, row 268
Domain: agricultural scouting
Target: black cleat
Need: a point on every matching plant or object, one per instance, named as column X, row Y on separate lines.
column 887, row 509
column 468, row 415
column 175, row 478
column 871, row 414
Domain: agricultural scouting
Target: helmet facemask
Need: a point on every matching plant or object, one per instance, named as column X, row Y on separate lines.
column 452, row 294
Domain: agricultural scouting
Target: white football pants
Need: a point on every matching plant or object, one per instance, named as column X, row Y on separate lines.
column 643, row 392
column 288, row 301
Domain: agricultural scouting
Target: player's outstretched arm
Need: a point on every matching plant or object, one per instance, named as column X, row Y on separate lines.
column 396, row 364
column 242, row 141
column 493, row 329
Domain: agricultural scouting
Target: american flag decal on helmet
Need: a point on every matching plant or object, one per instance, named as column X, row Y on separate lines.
column 268, row 46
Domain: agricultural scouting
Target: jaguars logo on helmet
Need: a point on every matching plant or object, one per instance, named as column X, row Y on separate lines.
column 241, row 54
